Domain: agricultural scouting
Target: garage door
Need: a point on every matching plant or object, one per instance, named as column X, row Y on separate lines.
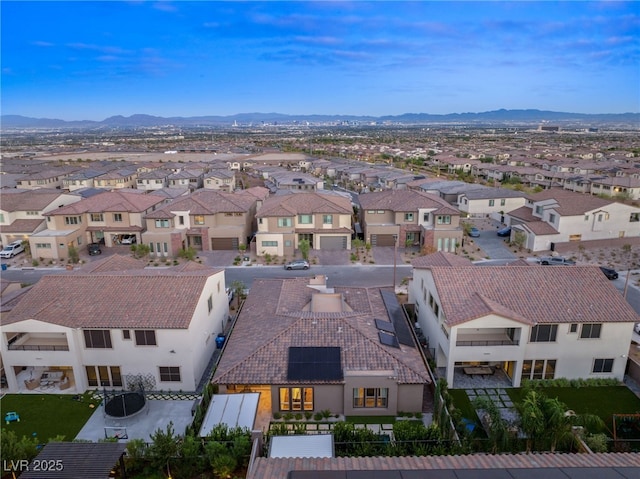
column 382, row 240
column 333, row 242
column 224, row 243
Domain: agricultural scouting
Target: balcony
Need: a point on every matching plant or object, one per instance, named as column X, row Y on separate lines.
column 488, row 337
column 38, row 342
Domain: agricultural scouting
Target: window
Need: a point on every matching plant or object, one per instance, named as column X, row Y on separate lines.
column 602, row 366
column 492, row 202
column 538, row 369
column 210, row 303
column 296, row 399
column 43, row 246
column 539, row 210
column 634, row 217
column 97, row 217
column 370, row 397
column 408, row 216
column 503, row 202
column 198, row 220
column 269, row 243
column 169, row 374
column 552, row 218
column 145, row 337
column 162, row 223
column 97, row 338
column 181, row 220
column 305, row 219
column 590, row 331
column 284, row 222
column 327, row 219
column 371, row 212
column 126, row 334
column 72, row 220
column 544, row 333
column 573, row 328
column 380, row 212
column 443, row 219
column 117, row 217
column 586, row 217
column 104, row 376
column 288, row 243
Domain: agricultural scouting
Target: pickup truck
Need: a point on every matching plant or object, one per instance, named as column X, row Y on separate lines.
column 553, row 260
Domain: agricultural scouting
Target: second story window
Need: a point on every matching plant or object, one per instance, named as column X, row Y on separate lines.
column 443, row 219
column 117, row 217
column 590, row 331
column 284, row 222
column 327, row 219
column 97, row 338
column 97, row 217
column 305, row 219
column 145, row 337
column 198, row 220
column 72, row 220
column 634, row 217
column 544, row 333
column 492, row 202
column 408, row 216
column 162, row 223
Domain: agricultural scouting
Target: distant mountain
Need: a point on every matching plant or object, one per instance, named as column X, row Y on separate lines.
column 496, row 116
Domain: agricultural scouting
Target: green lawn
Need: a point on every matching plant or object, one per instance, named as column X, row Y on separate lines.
column 602, row 401
column 48, row 415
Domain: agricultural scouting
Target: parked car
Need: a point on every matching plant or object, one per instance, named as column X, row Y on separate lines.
column 609, row 273
column 474, row 232
column 297, row 264
column 505, row 231
column 128, row 239
column 12, row 249
column 94, row 249
column 229, row 292
column 554, row 260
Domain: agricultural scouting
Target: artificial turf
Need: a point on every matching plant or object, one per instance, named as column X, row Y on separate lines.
column 48, row 415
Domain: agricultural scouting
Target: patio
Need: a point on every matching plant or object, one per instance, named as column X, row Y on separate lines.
column 498, row 379
column 38, row 380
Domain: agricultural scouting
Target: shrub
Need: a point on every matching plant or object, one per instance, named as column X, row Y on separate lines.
column 288, row 416
column 325, row 413
column 298, row 416
column 308, row 415
column 277, row 415
column 317, row 416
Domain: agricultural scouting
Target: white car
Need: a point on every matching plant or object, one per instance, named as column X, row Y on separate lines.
column 12, row 249
column 128, row 239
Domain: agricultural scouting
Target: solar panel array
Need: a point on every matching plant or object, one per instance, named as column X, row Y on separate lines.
column 394, row 310
column 314, row 364
column 388, row 339
column 383, row 325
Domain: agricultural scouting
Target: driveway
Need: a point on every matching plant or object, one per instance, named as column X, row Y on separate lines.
column 493, row 246
column 331, row 257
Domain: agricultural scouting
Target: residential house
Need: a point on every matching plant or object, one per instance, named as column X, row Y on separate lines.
column 279, row 179
column 558, row 215
column 219, row 179
column 113, row 326
column 307, row 347
column 22, row 211
column 191, row 179
column 322, row 218
column 45, row 179
column 205, row 220
column 81, row 179
column 117, row 179
column 102, row 218
column 526, row 322
column 409, row 217
column 153, row 180
column 490, row 202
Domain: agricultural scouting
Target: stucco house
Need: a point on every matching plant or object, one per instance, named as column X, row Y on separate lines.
column 308, row 347
column 111, row 325
column 22, row 211
column 220, row 179
column 558, row 215
column 523, row 322
column 205, row 220
column 410, row 217
column 322, row 218
column 105, row 217
column 490, row 202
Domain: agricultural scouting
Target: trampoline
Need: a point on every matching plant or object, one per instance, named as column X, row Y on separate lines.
column 125, row 404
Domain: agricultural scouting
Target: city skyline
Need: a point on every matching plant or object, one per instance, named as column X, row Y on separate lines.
column 92, row 60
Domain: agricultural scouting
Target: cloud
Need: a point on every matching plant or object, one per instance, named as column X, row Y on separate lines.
column 39, row 43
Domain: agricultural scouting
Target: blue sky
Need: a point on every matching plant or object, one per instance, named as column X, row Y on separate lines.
column 91, row 60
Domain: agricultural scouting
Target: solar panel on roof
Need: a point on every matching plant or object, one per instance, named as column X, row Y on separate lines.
column 314, row 364
column 394, row 310
column 388, row 339
column 385, row 326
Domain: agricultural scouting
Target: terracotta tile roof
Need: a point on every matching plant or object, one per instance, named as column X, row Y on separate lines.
column 292, row 203
column 22, row 226
column 539, row 227
column 440, row 259
column 207, row 202
column 274, row 318
column 569, row 202
column 114, row 262
column 402, row 200
column 161, row 299
column 28, row 200
column 117, row 201
column 524, row 213
column 534, row 294
column 279, row 468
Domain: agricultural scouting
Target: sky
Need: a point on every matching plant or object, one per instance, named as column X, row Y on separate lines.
column 83, row 60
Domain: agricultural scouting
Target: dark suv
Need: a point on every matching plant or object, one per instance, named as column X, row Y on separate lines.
column 94, row 249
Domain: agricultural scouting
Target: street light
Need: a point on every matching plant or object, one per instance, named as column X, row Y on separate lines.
column 395, row 253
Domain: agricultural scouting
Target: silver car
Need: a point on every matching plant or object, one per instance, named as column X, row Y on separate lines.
column 297, row 264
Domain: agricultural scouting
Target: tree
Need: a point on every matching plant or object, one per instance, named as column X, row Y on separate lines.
column 238, row 288
column 164, row 447
column 304, row 246
column 496, row 426
column 140, row 250
column 188, row 253
column 14, row 449
column 74, row 257
column 532, row 418
column 519, row 239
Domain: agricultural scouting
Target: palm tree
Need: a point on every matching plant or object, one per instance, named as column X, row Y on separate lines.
column 532, row 418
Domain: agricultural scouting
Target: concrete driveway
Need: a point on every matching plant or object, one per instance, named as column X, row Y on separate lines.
column 493, row 246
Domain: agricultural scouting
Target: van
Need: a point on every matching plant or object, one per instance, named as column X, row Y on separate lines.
column 12, row 249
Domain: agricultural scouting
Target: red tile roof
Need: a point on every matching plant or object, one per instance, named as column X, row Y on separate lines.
column 117, row 201
column 293, row 203
column 440, row 258
column 207, row 202
column 404, row 200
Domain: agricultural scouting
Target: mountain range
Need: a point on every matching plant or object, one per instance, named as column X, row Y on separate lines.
column 495, row 116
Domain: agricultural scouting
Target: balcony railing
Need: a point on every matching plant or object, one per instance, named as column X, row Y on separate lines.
column 38, row 347
column 489, row 342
